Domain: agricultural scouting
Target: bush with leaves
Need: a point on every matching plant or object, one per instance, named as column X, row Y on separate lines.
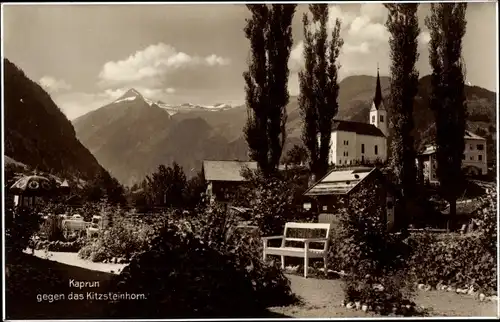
column 61, row 246
column 20, row 225
column 202, row 267
column 275, row 200
column 370, row 254
column 456, row 260
column 128, row 235
column 52, row 228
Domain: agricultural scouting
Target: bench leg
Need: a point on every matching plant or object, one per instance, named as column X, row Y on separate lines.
column 282, row 262
column 306, row 259
column 325, row 260
column 264, row 255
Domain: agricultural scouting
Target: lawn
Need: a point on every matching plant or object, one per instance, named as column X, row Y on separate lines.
column 322, row 299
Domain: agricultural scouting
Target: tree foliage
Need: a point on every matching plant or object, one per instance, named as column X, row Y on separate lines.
column 371, row 254
column 169, row 187
column 270, row 34
column 274, row 200
column 402, row 24
column 297, row 155
column 104, row 186
column 447, row 25
column 318, row 85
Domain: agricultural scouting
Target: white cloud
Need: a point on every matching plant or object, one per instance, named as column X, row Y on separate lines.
column 363, row 48
column 153, row 62
column 54, row 85
column 366, row 41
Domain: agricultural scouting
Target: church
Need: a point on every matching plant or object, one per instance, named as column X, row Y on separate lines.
column 359, row 142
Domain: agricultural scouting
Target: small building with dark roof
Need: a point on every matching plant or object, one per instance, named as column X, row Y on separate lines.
column 334, row 192
column 224, row 177
column 361, row 142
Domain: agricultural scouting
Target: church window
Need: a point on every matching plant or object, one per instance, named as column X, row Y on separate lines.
column 362, row 148
column 376, row 149
column 381, row 119
column 373, row 118
column 346, row 153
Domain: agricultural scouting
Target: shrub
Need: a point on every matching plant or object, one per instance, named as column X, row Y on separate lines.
column 460, row 260
column 52, row 229
column 457, row 261
column 370, row 254
column 129, row 235
column 275, row 200
column 59, row 246
column 201, row 267
column 20, row 226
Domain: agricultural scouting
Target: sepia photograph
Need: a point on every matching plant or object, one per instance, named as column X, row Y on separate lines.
column 257, row 160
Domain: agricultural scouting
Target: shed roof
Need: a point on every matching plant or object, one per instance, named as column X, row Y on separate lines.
column 357, row 127
column 226, row 170
column 339, row 181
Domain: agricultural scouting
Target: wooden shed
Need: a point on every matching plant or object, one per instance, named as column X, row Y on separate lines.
column 336, row 189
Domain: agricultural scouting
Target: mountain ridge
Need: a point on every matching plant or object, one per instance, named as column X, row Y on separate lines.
column 37, row 133
column 191, row 135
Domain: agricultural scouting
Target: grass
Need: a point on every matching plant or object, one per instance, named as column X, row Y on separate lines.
column 322, row 298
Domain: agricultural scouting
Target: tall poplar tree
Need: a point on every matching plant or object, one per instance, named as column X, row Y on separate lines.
column 447, row 26
column 402, row 24
column 269, row 31
column 319, row 86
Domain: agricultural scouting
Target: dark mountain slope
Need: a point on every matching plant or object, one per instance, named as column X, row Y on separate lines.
column 37, row 133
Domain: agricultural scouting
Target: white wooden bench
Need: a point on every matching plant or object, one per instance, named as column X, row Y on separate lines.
column 306, row 252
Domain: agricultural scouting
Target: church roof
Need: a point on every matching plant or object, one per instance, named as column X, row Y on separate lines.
column 357, row 127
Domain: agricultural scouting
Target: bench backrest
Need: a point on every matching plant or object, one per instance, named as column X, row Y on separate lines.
column 325, row 227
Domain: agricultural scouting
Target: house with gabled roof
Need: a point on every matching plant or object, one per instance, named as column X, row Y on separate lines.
column 361, row 142
column 474, row 160
column 335, row 190
column 224, row 177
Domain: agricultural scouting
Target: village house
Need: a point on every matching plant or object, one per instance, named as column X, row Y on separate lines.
column 223, row 178
column 334, row 191
column 360, row 142
column 474, row 160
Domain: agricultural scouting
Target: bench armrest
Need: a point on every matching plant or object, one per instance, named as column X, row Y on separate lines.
column 272, row 237
column 309, row 240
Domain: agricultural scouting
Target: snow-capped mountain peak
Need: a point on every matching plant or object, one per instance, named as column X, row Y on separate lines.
column 129, row 95
column 132, row 95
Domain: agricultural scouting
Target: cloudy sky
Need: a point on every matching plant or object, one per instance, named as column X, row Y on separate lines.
column 87, row 55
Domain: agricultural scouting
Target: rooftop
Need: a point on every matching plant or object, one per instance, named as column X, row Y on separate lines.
column 226, row 170
column 339, row 182
column 357, row 127
column 470, row 135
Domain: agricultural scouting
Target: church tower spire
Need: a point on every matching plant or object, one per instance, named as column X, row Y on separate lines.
column 378, row 91
column 378, row 114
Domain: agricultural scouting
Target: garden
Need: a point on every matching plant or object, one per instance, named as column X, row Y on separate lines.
column 204, row 263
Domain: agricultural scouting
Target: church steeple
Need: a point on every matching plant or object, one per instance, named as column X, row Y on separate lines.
column 378, row 114
column 378, row 92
